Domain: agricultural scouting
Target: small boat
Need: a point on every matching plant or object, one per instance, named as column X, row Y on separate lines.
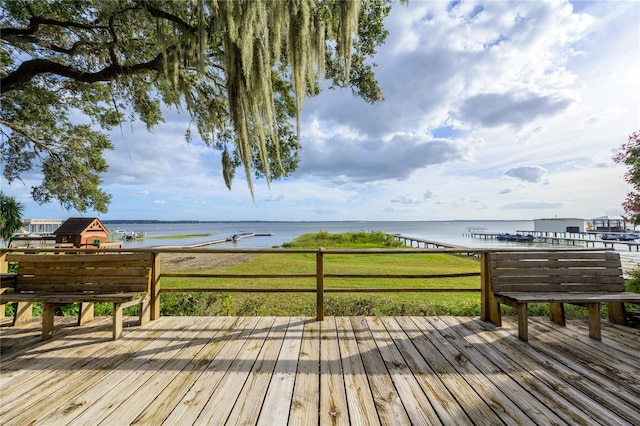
column 522, row 238
column 237, row 237
column 515, row 237
column 133, row 235
column 628, row 237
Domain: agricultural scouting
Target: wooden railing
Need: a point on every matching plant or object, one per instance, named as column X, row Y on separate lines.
column 319, row 274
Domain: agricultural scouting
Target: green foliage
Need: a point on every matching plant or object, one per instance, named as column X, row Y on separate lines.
column 10, row 217
column 71, row 71
column 362, row 239
column 630, row 156
column 633, row 284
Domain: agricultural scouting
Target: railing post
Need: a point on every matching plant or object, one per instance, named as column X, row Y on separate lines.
column 484, row 286
column 320, row 285
column 155, row 286
column 489, row 308
column 4, row 268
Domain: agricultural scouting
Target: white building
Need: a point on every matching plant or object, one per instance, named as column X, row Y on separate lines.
column 555, row 224
column 40, row 226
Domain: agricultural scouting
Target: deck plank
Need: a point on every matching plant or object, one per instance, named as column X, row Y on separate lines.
column 333, row 395
column 362, row 409
column 277, row 401
column 305, row 404
column 343, row 370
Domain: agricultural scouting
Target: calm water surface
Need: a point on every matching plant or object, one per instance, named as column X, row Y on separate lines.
column 452, row 232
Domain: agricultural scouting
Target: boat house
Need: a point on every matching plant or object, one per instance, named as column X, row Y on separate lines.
column 82, row 232
column 573, row 225
column 609, row 224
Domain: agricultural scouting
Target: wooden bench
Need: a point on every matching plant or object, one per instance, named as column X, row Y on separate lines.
column 55, row 280
column 557, row 277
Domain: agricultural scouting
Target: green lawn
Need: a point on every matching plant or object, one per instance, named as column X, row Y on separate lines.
column 391, row 303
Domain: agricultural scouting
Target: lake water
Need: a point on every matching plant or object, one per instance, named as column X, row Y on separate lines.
column 452, row 232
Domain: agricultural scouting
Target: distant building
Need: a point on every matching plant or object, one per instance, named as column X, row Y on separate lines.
column 559, row 225
column 608, row 224
column 40, row 226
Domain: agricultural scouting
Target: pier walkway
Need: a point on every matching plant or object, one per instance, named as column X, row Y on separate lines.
column 563, row 238
column 422, row 243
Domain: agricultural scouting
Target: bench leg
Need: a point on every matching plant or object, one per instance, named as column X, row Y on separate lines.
column 23, row 313
column 145, row 312
column 617, row 314
column 48, row 314
column 117, row 320
column 594, row 320
column 85, row 313
column 523, row 331
column 557, row 313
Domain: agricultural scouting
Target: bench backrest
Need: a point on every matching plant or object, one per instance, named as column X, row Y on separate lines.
column 72, row 273
column 561, row 271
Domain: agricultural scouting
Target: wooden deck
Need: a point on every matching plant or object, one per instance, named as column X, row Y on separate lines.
column 344, row 370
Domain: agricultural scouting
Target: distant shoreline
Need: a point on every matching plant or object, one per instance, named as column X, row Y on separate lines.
column 153, row 221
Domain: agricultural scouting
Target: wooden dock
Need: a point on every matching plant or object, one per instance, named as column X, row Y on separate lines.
column 561, row 238
column 297, row 371
column 423, row 243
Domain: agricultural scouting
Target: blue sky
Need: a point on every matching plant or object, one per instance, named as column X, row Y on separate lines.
column 494, row 110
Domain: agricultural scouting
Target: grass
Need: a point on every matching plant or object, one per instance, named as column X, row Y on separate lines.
column 227, row 303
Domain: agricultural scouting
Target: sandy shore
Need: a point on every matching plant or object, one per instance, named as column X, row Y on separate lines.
column 199, row 261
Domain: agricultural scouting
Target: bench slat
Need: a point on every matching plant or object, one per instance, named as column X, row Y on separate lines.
column 549, row 288
column 71, row 297
column 61, row 259
column 550, row 272
column 554, row 263
column 586, row 297
column 560, row 255
column 532, row 276
column 80, row 287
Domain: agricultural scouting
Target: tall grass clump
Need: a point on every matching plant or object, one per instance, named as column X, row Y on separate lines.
column 362, row 239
